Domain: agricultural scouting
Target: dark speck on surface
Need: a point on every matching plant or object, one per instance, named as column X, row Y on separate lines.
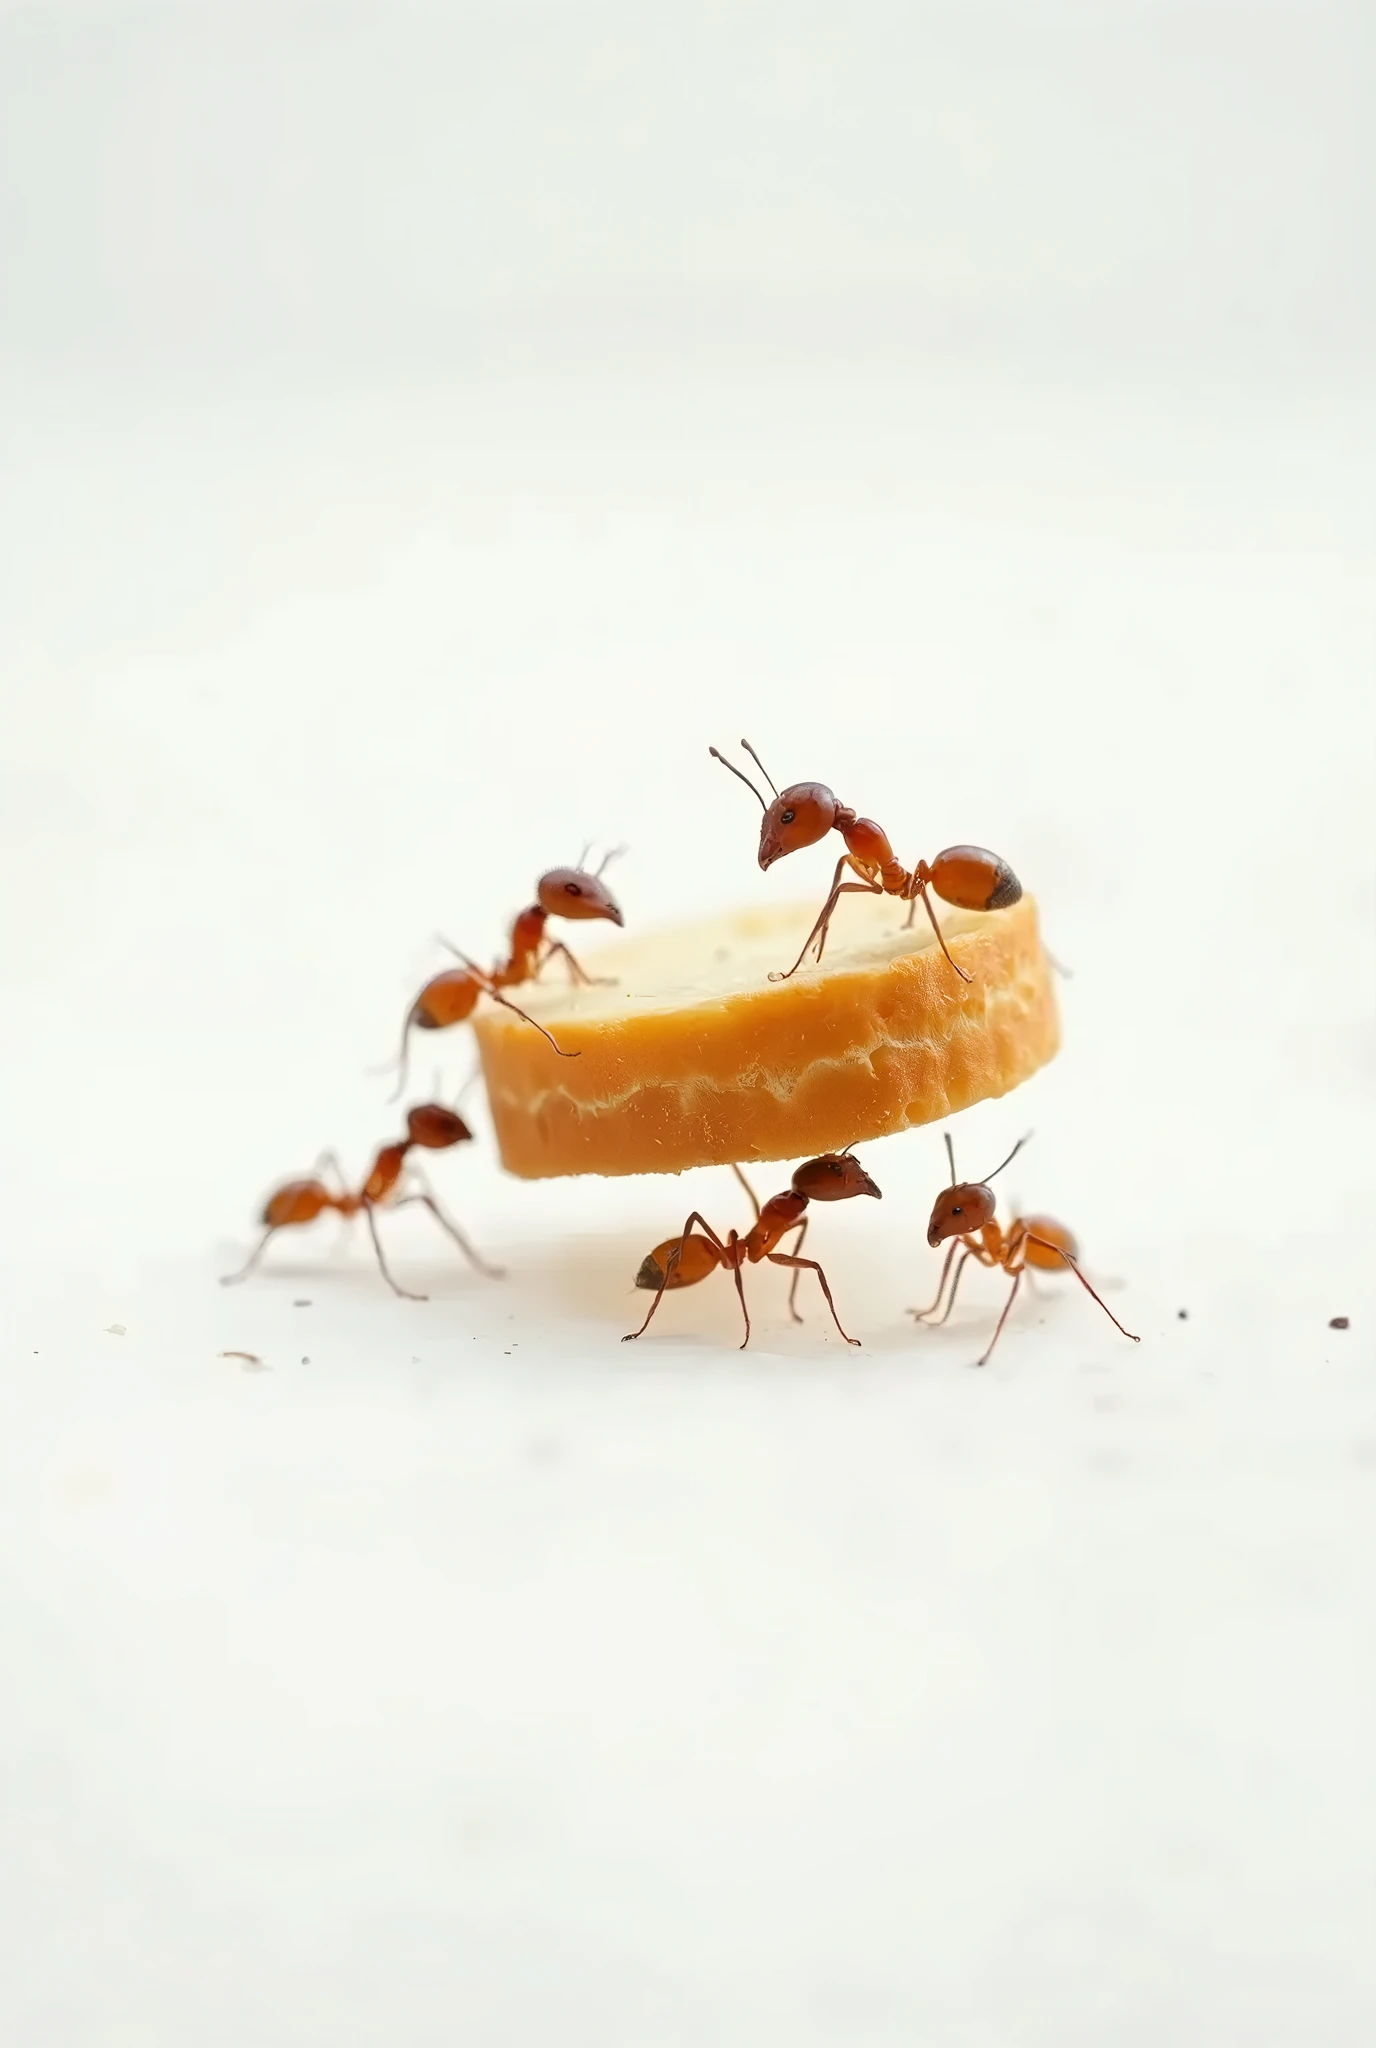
column 1183, row 1314
column 300, row 1304
column 1338, row 1323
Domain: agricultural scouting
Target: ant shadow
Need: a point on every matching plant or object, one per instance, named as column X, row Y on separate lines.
column 592, row 1279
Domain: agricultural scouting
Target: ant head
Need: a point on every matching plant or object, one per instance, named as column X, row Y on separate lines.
column 966, row 1204
column 799, row 815
column 834, row 1177
column 435, row 1127
column 573, row 892
column 969, row 1205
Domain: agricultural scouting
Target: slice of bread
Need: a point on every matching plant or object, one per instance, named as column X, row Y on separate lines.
column 695, row 1058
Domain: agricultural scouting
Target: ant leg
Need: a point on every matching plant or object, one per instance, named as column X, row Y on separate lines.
column 754, row 1198
column 530, row 1020
column 402, row 1060
column 233, row 1279
column 951, row 1297
column 448, row 1224
column 404, row 1292
column 798, row 1272
column 740, row 1290
column 578, row 975
column 931, row 914
column 669, row 1265
column 463, row 958
column 470, row 1083
column 998, row 1327
column 787, row 1259
column 330, row 1159
column 845, row 889
column 923, row 1313
column 818, row 934
column 1030, row 1239
column 973, row 1250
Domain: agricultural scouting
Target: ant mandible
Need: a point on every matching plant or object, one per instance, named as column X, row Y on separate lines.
column 430, row 1126
column 684, row 1260
column 964, row 1212
column 451, row 997
column 968, row 876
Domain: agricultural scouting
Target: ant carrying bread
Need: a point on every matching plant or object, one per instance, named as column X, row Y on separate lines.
column 684, row 1260
column 451, row 997
column 964, row 1213
column 969, row 877
column 431, row 1126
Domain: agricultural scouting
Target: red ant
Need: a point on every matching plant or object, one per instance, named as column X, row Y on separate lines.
column 964, row 1212
column 683, row 1261
column 301, row 1201
column 452, row 997
column 967, row 876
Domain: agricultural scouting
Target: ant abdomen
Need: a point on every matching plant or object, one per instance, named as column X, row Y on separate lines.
column 697, row 1258
column 974, row 879
column 1052, row 1233
column 300, row 1201
column 448, row 998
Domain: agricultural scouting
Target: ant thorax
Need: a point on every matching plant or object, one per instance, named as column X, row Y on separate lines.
column 776, row 1218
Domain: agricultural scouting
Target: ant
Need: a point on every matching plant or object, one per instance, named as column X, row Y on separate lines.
column 451, row 997
column 964, row 1212
column 301, row 1201
column 968, row 876
column 683, row 1261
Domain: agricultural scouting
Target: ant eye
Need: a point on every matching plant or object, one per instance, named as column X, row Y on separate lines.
column 957, row 1211
column 572, row 889
column 786, row 817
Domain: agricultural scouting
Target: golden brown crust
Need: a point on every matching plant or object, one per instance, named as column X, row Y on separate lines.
column 695, row 1058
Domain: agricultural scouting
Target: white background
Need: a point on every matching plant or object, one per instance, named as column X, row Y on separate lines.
column 424, row 430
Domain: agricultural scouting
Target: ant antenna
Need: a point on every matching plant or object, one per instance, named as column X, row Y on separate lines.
column 1007, row 1162
column 951, row 1157
column 607, row 860
column 759, row 764
column 739, row 777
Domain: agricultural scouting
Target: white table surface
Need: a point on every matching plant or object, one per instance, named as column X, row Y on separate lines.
column 464, row 1675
